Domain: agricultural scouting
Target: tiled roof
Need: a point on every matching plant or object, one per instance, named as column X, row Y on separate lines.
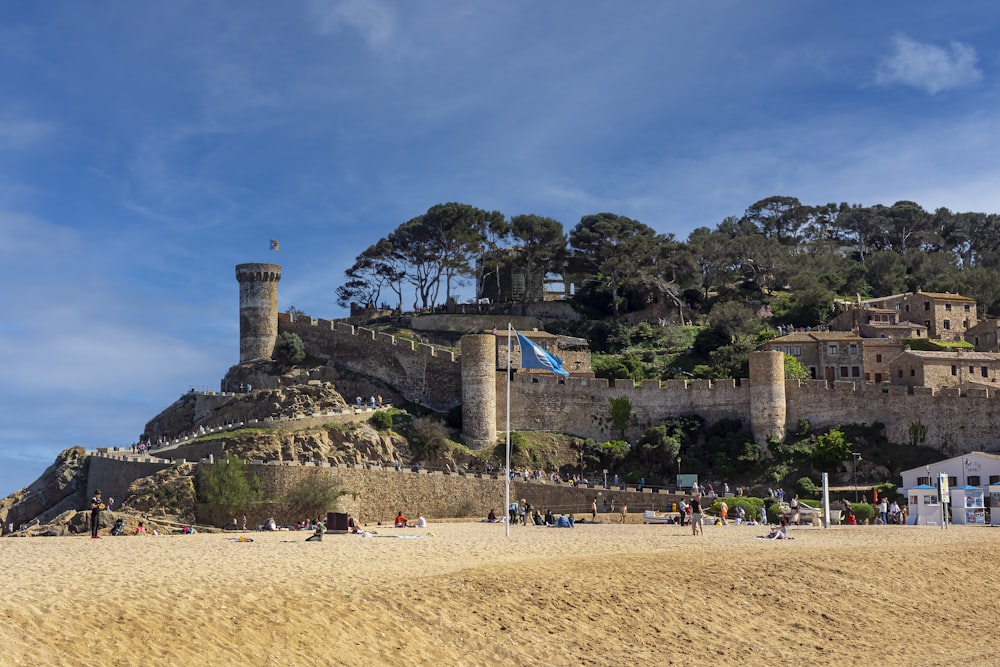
column 955, row 356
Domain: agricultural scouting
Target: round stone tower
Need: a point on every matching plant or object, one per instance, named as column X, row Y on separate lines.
column 258, row 310
column 768, row 410
column 479, row 390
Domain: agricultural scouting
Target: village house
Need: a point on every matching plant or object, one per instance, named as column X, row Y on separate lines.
column 985, row 336
column 869, row 321
column 915, row 368
column 829, row 355
column 947, row 316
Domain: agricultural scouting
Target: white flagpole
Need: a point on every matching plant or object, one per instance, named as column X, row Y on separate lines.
column 506, row 495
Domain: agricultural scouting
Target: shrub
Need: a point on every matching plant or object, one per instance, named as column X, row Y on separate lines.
column 381, row 420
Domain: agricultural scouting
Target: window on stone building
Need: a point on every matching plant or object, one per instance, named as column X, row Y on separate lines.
column 947, row 307
column 954, row 370
column 984, row 371
column 853, row 348
column 927, row 323
column 900, row 372
column 913, row 372
column 855, row 371
column 831, row 349
column 946, row 324
column 927, row 305
column 878, row 358
column 812, row 372
column 972, row 370
column 843, row 371
column 907, row 307
column 967, row 308
column 973, row 480
column 797, row 350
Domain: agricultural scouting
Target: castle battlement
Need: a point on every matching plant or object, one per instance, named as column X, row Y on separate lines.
column 339, row 330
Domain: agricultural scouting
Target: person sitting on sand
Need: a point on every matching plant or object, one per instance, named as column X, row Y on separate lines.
column 780, row 532
column 550, row 519
column 401, row 521
column 317, row 535
column 421, row 522
column 492, row 516
column 564, row 522
column 140, row 529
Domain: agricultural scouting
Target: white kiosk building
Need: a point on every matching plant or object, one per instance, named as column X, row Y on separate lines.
column 970, row 477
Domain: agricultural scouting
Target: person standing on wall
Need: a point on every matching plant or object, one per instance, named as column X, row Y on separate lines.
column 96, row 507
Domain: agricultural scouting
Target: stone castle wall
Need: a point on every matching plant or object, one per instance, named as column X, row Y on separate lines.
column 955, row 423
column 423, row 373
column 376, row 495
column 581, row 406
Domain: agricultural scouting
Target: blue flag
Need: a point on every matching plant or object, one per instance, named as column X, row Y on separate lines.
column 535, row 356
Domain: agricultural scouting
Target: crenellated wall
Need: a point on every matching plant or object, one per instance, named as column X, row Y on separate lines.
column 581, row 406
column 955, row 423
column 419, row 372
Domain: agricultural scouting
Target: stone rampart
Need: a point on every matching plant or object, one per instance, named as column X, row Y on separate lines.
column 955, row 423
column 377, row 494
column 418, row 372
column 112, row 473
column 581, row 406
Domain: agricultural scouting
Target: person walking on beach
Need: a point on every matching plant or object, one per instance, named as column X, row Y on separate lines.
column 624, row 511
column 96, row 507
column 593, row 509
column 696, row 528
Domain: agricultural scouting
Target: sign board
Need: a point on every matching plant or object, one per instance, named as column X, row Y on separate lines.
column 686, row 481
column 943, row 482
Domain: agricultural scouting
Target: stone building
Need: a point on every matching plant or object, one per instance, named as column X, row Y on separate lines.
column 944, row 369
column 947, row 316
column 829, row 355
column 985, row 336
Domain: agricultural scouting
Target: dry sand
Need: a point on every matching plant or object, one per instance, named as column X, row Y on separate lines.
column 603, row 594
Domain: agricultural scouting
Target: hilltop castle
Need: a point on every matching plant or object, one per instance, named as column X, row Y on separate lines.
column 957, row 419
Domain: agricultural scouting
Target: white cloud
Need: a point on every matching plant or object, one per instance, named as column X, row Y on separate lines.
column 928, row 67
column 375, row 22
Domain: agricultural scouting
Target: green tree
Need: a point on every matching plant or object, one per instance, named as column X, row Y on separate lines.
column 831, row 448
column 227, row 487
column 314, row 494
column 614, row 250
column 621, row 413
column 289, row 349
column 794, row 370
column 540, row 248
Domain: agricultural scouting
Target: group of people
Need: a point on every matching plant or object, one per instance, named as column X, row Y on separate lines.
column 402, row 522
column 524, row 514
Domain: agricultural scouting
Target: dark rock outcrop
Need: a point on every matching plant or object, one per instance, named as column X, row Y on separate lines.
column 60, row 488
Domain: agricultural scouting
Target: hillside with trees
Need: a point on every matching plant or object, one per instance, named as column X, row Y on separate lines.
column 655, row 307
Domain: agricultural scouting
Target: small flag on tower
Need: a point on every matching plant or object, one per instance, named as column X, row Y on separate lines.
column 535, row 356
column 274, row 245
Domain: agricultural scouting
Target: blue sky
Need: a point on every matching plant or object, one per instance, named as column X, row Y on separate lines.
column 147, row 148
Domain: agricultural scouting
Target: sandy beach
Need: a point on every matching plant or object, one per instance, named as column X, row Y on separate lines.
column 465, row 594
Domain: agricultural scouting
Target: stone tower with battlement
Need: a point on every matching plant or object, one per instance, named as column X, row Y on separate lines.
column 768, row 406
column 258, row 310
column 479, row 390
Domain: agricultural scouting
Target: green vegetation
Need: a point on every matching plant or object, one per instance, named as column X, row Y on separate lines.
column 227, row 486
column 928, row 345
column 314, row 494
column 288, row 349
